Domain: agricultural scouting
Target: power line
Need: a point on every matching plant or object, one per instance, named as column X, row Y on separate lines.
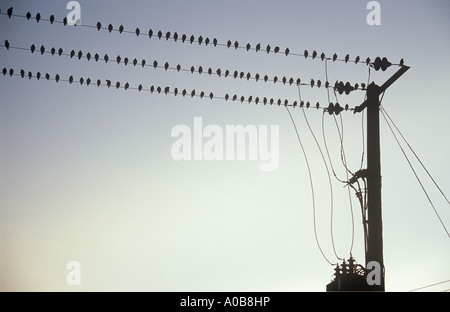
column 428, row 286
column 230, row 44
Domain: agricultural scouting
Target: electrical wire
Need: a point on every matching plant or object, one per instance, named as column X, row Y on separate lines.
column 312, row 188
column 428, row 286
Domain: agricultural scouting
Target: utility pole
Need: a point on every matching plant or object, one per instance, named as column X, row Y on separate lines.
column 356, row 280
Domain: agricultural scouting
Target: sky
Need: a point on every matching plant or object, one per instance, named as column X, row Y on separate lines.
column 87, row 173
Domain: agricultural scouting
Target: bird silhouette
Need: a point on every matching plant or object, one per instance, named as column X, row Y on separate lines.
column 70, row 79
column 275, row 79
column 88, row 56
column 368, row 61
column 96, row 56
column 241, row 75
column 175, row 91
column 257, row 77
column 314, row 54
column 9, row 12
column 175, row 36
column 227, row 72
column 110, row 27
column 242, row 99
column 286, row 52
column 106, row 58
column 284, row 80
column 257, row 100
column 228, row 44
column 32, row 48
column 108, row 83
column 125, row 61
column 166, row 66
column 236, row 45
column 99, row 82
column 53, row 51
column 88, row 81
column 30, row 75
column 312, row 83
column 138, row 31
column 402, row 62
column 127, row 85
column 305, row 53
column 207, row 41
column 258, row 47
column 202, row 94
column 117, row 85
column 249, row 76
column 211, row 95
column 38, row 75
column 81, row 81
column 135, row 62
column 184, row 92
column 65, row 21
column 57, row 78
column 38, row 17
column 200, row 40
column 235, row 74
column 357, row 60
column 308, row 104
column 80, row 55
column 227, row 97
column 118, row 59
column 210, row 71
column 356, row 86
column 200, row 69
column 299, row 81
column 99, row 26
column 7, row 44
column 266, row 78
column 192, row 69
column 347, row 57
column 248, row 46
column 317, row 105
column 250, row 98
column 235, row 97
column 291, row 81
column 168, row 35
column 279, row 102
column 60, row 51
column 334, row 57
column 52, row 19
column 22, row 73
column 193, row 93
column 322, row 56
column 155, row 64
column 183, row 38
column 268, row 49
column 72, row 53
column 143, row 63
column 150, row 33
column 219, row 72
column 319, row 83
column 191, row 40
column 276, row 50
column 152, row 88
column 28, row 15
column 11, row 72
column 215, row 42
column 178, row 67
column 120, row 29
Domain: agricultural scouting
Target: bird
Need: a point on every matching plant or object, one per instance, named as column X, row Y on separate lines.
column 368, row 61
column 249, row 76
column 143, row 63
column 191, row 40
column 175, row 36
column 219, row 72
column 242, row 99
column 28, row 15
column 178, row 67
column 183, row 38
column 236, row 45
column 314, row 54
column 347, row 57
column 357, row 60
column 60, row 51
column 52, row 19
column 402, row 62
column 322, row 56
column 268, row 49
column 22, row 73
column 277, row 49
column 38, row 17
column 127, row 85
column 257, row 77
column 215, row 42
column 210, row 71
column 110, row 27
column 235, row 97
column 150, row 33
column 257, row 100
column 80, row 54
column 319, row 83
column 312, row 83
column 70, row 79
column 125, row 61
column 108, row 83
column 250, row 98
column 135, row 62
column 7, row 44
column 32, row 48
column 207, row 41
column 184, row 92
column 99, row 82
column 279, row 102
column 284, row 80
column 118, row 59
column 305, row 53
column 266, row 78
column 168, row 35
column 106, row 58
column 88, row 81
column 227, row 72
column 211, row 95
column 227, row 97
column 152, row 88
column 53, row 51
column 241, row 75
column 286, row 52
column 200, row 69
column 275, row 79
column 271, row 101
column 200, row 40
column 175, row 91
column 65, row 21
column 57, row 78
column 298, row 81
column 72, row 53
column 248, row 46
column 192, row 93
column 138, row 31
column 317, row 105
column 228, row 43
column 99, row 26
column 235, row 74
column 308, row 104
column 202, row 94
column 30, row 75
column 9, row 12
column 291, row 81
column 192, row 69
column 81, row 81
column 11, row 72
column 117, row 85
column 120, row 28
column 258, row 47
column 334, row 57
column 155, row 64
column 166, row 66
column 96, row 56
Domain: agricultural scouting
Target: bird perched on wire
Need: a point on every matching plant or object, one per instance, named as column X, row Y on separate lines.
column 22, row 73
column 57, row 78
column 60, row 52
column 286, row 52
column 38, row 17
column 32, row 48
column 42, row 50
column 314, row 54
column 175, row 36
column 305, row 53
column 117, row 85
column 277, row 49
column 236, row 45
column 168, row 35
column 150, row 33
column 268, row 49
column 30, row 75
column 108, row 83
column 166, row 66
column 135, row 62
column 357, row 60
column 120, row 29
column 200, row 40
column 347, row 57
column 191, row 40
column 258, row 47
column 125, row 61
column 138, row 31
column 99, row 82
column 228, row 44
column 110, row 27
column 70, row 79
column 53, row 51
column 207, row 41
column 65, row 21
column 106, row 58
column 334, row 57
column 9, row 12
column 72, row 53
column 118, row 59
column 80, row 55
column 52, row 19
column 81, row 81
column 7, row 44
column 96, row 57
column 28, row 15
column 140, row 88
column 127, row 85
column 99, row 26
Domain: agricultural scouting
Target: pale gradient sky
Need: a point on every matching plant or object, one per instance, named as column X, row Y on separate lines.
column 87, row 174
